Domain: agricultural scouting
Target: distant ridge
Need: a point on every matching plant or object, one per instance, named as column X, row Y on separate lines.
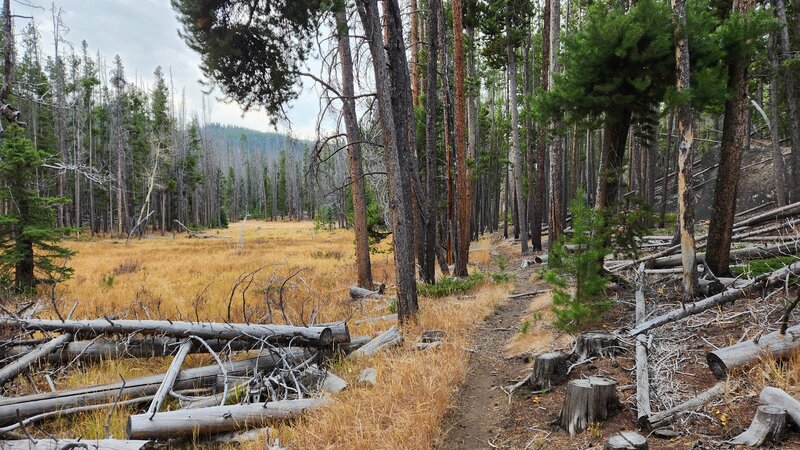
column 256, row 142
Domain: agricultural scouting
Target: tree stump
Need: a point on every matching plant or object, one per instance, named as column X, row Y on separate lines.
column 586, row 402
column 549, row 369
column 596, row 344
column 769, row 425
column 626, row 440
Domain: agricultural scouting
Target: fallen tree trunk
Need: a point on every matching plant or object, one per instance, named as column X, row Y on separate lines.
column 216, row 419
column 170, row 377
column 14, row 408
column 341, row 334
column 626, row 440
column 61, row 444
column 281, row 334
column 742, row 254
column 104, row 349
column 392, row 336
column 11, row 370
column 769, row 425
column 761, row 282
column 664, row 418
column 357, row 293
column 354, row 344
column 778, row 397
column 643, row 411
column 723, row 360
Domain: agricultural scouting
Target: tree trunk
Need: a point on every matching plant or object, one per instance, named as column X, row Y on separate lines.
column 556, row 215
column 665, row 164
column 734, row 135
column 791, row 95
column 778, row 165
column 358, row 186
column 685, row 157
column 428, row 267
column 612, row 154
column 541, row 146
column 399, row 191
column 464, row 183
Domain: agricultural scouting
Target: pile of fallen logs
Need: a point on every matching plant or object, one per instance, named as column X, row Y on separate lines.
column 593, row 399
column 261, row 373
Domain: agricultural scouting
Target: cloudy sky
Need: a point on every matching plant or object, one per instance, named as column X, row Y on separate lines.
column 144, row 33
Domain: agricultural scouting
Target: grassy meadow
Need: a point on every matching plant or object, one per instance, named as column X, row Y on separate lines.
column 212, row 279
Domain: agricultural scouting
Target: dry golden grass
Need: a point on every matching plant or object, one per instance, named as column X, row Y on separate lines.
column 537, row 335
column 193, row 278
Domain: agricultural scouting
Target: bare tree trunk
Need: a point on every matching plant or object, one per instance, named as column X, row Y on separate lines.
column 529, row 138
column 464, row 185
column 399, row 191
column 778, row 165
column 791, row 95
column 734, row 134
column 541, row 146
column 428, row 265
column 615, row 135
column 414, row 37
column 556, row 216
column 516, row 152
column 665, row 164
column 686, row 137
column 358, row 186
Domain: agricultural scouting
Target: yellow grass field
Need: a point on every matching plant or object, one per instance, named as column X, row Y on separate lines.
column 193, row 279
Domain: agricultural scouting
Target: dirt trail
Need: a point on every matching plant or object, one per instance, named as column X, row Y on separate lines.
column 476, row 422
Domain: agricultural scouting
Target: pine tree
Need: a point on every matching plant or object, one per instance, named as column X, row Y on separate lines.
column 30, row 253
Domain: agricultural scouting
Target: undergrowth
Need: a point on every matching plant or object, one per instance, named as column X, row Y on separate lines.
column 762, row 266
column 451, row 285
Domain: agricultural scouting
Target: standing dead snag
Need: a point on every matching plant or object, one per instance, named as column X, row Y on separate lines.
column 586, row 402
column 769, row 425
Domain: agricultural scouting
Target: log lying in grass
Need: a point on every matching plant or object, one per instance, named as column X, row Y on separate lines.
column 341, row 334
column 664, row 418
column 281, row 334
column 392, row 336
column 768, row 426
column 61, row 444
column 549, row 369
column 626, row 440
column 368, row 377
column 104, row 349
column 217, row 419
column 778, row 397
column 355, row 343
column 723, row 360
column 11, row 370
column 586, row 402
column 357, row 293
column 324, row 380
column 14, row 408
column 596, row 344
column 761, row 282
column 170, row 377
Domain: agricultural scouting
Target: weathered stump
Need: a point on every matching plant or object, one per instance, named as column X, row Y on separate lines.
column 549, row 369
column 769, row 425
column 779, row 398
column 596, row 344
column 626, row 440
column 586, row 402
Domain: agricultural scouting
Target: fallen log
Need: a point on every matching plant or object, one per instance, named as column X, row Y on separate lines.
column 769, row 215
column 216, row 419
column 768, row 426
column 713, row 287
column 549, row 369
column 62, row 444
column 15, row 408
column 742, row 254
column 324, row 380
column 281, row 334
column 170, row 377
column 596, row 344
column 643, row 410
column 355, row 343
column 357, row 293
column 586, row 402
column 664, row 418
column 626, row 440
column 721, row 361
column 11, row 370
column 392, row 336
column 762, row 282
column 104, row 349
column 778, row 397
column 368, row 377
column 341, row 334
column 529, row 294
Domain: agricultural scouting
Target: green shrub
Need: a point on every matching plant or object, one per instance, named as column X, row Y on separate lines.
column 762, row 266
column 450, row 285
column 575, row 309
column 107, row 280
column 502, row 277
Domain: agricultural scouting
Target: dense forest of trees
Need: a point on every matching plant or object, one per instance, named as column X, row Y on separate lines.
column 453, row 119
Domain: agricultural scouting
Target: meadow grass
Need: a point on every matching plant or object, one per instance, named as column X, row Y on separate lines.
column 194, row 279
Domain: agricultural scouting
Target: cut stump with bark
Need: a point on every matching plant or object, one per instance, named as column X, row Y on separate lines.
column 779, row 398
column 586, row 402
column 549, row 369
column 768, row 426
column 626, row 440
column 596, row 344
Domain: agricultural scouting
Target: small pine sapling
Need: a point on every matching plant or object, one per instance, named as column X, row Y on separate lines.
column 579, row 257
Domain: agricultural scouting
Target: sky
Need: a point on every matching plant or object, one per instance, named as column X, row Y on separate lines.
column 144, row 33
